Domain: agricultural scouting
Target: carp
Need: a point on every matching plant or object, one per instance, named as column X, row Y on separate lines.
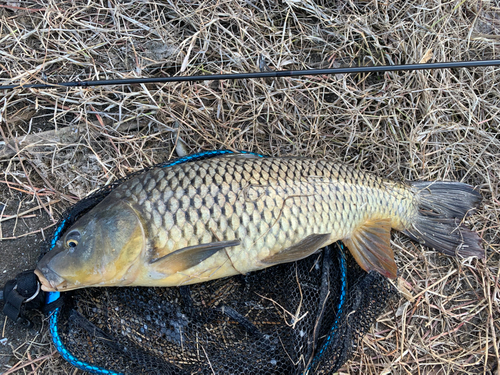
column 233, row 214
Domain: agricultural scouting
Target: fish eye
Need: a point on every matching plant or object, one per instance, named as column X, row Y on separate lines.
column 72, row 239
column 71, row 243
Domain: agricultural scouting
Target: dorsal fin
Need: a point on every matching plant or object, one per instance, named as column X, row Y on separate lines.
column 208, row 155
column 242, row 155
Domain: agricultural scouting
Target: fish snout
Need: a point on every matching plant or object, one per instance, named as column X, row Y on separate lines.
column 51, row 281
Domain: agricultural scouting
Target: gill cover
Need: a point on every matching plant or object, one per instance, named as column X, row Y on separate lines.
column 99, row 249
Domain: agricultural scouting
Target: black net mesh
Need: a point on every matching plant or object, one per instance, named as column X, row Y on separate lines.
column 302, row 317
column 268, row 322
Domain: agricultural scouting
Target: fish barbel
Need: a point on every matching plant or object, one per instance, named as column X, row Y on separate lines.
column 238, row 213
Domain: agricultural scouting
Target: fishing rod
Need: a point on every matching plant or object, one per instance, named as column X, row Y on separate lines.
column 265, row 74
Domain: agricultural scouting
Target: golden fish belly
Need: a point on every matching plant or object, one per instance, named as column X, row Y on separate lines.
column 268, row 205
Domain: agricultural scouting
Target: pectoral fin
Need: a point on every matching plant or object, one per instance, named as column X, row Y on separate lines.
column 188, row 257
column 370, row 246
column 300, row 250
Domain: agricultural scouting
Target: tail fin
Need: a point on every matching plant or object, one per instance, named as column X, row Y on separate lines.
column 442, row 205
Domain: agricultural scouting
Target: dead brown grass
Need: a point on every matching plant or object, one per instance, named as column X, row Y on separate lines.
column 428, row 125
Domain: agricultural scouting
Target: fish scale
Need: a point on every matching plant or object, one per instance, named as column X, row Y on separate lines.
column 209, row 218
column 269, row 204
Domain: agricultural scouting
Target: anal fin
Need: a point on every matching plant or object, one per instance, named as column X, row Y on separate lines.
column 300, row 250
column 188, row 257
column 370, row 246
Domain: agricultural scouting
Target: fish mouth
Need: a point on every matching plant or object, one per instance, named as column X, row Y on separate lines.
column 50, row 280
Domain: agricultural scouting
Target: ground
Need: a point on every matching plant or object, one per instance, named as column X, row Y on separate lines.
column 61, row 144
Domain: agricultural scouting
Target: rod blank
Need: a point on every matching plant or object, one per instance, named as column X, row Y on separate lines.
column 272, row 74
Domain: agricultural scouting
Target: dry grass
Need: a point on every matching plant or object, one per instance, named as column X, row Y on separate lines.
column 428, row 125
